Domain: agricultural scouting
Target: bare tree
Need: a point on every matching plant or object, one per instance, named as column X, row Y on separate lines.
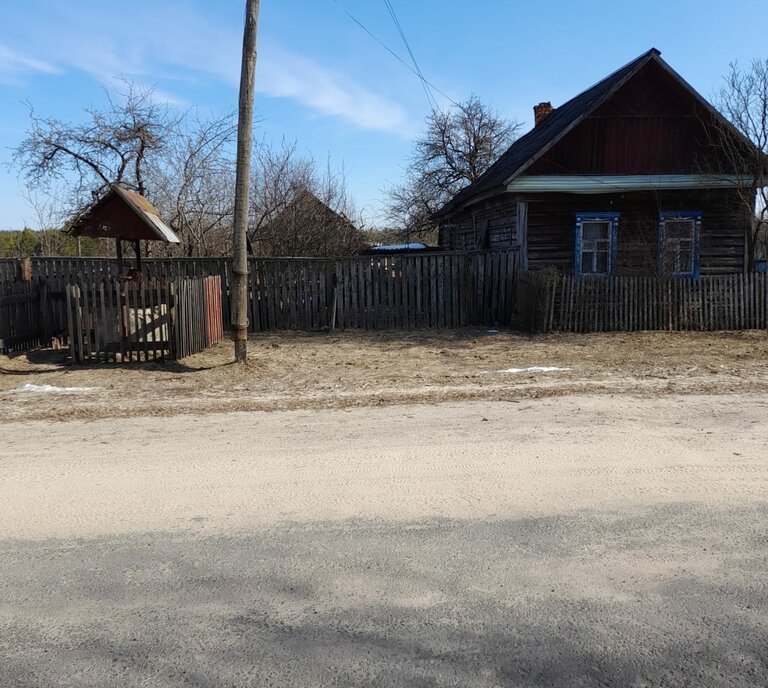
column 46, row 238
column 193, row 185
column 457, row 146
column 115, row 144
column 279, row 173
column 47, row 211
column 743, row 100
column 182, row 162
column 187, row 170
column 299, row 209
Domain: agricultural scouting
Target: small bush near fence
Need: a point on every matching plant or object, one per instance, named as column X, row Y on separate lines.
column 555, row 302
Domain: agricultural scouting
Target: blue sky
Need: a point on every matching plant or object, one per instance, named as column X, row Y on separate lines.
column 322, row 81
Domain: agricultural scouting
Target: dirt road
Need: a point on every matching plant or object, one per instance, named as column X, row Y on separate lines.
column 593, row 540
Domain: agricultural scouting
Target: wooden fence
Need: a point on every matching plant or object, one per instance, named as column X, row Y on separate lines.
column 31, row 313
column 442, row 290
column 453, row 289
column 111, row 321
column 196, row 320
column 549, row 302
column 90, row 269
column 366, row 292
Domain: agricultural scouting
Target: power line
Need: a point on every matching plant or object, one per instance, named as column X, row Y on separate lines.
column 425, row 85
column 394, row 54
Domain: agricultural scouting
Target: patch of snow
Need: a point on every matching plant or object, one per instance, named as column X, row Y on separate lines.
column 493, row 331
column 534, row 369
column 50, row 389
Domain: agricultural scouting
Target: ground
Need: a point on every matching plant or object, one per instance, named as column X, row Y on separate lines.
column 603, row 526
column 311, row 371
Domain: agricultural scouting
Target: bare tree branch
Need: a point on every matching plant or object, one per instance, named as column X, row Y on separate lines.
column 743, row 100
column 455, row 149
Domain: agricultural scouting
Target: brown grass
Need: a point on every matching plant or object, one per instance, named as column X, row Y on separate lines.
column 295, row 370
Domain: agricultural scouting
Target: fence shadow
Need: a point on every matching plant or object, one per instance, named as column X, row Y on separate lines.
column 47, row 361
column 405, row 338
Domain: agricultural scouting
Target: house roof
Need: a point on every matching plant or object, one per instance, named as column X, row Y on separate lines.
column 107, row 218
column 530, row 147
column 414, row 246
column 308, row 204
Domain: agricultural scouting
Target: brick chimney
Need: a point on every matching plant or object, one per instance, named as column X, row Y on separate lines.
column 541, row 112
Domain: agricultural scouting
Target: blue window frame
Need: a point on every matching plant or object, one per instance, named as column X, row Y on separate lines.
column 596, row 240
column 679, row 233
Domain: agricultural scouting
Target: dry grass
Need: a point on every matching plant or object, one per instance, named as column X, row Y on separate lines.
column 294, row 370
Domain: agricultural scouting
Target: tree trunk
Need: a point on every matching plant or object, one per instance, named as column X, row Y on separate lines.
column 244, row 143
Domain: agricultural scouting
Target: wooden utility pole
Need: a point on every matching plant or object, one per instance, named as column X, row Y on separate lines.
column 242, row 183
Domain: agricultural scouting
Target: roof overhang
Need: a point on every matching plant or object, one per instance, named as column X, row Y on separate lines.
column 603, row 184
column 146, row 211
column 123, row 214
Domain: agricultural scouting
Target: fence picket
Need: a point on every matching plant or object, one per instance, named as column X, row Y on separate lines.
column 631, row 303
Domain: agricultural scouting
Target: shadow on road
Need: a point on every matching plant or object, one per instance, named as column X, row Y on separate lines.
column 668, row 596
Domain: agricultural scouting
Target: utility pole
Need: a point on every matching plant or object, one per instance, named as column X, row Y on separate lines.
column 242, row 183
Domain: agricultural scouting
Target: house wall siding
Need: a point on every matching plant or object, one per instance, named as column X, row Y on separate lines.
column 650, row 126
column 551, row 228
column 491, row 225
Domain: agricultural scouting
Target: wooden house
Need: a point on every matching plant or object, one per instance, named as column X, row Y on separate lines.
column 628, row 178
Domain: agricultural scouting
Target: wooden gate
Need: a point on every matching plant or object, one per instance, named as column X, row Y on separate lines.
column 116, row 321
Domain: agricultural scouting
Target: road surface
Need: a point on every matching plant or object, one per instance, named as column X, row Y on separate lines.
column 575, row 541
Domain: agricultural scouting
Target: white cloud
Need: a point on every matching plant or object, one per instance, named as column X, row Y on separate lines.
column 166, row 97
column 179, row 45
column 284, row 75
column 14, row 64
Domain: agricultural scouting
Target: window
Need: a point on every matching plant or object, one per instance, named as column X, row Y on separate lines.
column 678, row 243
column 596, row 243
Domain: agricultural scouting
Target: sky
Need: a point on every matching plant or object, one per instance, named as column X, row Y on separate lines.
column 322, row 81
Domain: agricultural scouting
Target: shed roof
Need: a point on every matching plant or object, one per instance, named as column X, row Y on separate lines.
column 123, row 214
column 528, row 148
column 414, row 246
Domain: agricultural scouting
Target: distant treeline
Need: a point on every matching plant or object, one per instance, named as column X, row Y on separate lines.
column 23, row 243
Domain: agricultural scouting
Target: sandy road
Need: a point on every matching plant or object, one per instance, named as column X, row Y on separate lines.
column 564, row 541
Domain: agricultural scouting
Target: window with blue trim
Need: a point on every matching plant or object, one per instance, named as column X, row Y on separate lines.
column 679, row 243
column 596, row 243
